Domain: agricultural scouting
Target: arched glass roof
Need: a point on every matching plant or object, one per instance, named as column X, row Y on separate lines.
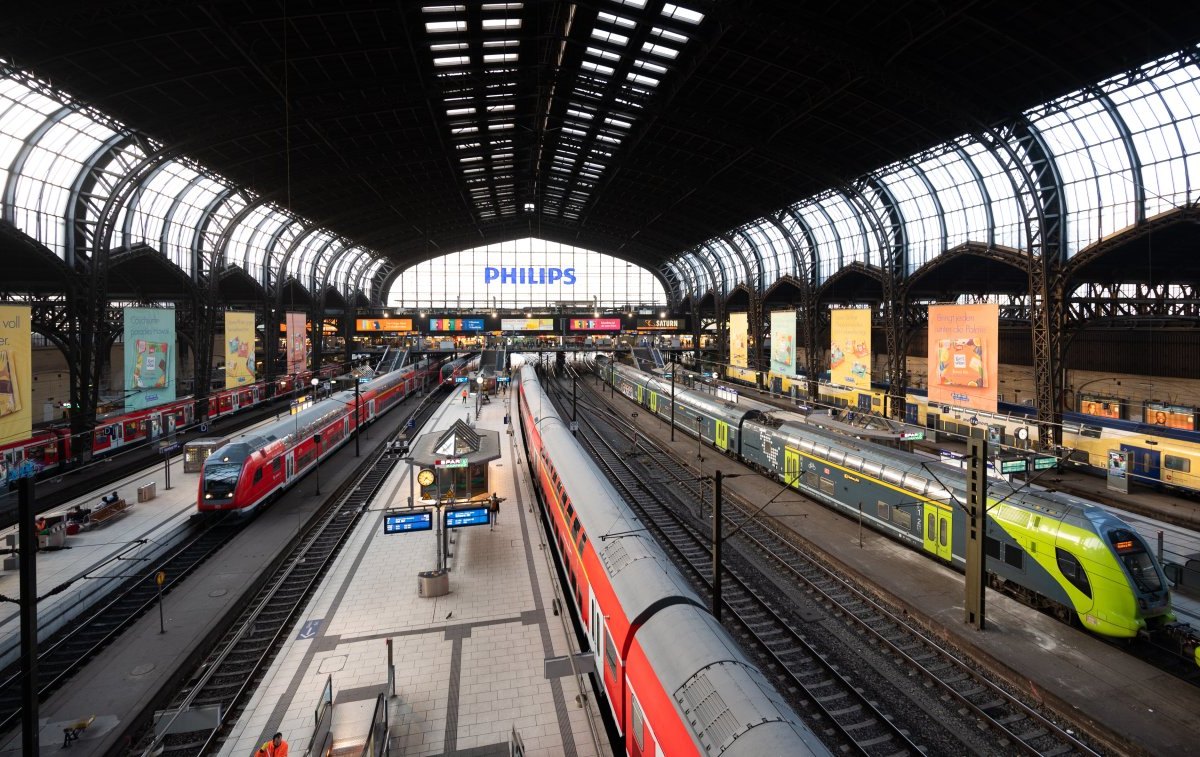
column 1123, row 150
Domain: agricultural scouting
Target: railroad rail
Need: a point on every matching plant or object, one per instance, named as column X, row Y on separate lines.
column 775, row 554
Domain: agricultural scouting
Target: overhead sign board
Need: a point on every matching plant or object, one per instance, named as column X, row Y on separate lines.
column 456, row 324
column 405, row 521
column 453, row 462
column 1044, row 463
column 659, row 324
column 595, row 324
column 527, row 324
column 912, row 436
column 458, row 517
column 383, row 324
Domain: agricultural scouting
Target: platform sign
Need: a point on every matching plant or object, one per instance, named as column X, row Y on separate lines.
column 404, row 521
column 1013, row 465
column 1044, row 463
column 453, row 462
column 460, row 517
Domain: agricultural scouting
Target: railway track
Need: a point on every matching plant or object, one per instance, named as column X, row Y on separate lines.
column 780, row 558
column 232, row 670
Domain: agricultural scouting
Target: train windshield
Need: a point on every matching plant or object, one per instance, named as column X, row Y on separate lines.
column 1137, row 561
column 220, row 479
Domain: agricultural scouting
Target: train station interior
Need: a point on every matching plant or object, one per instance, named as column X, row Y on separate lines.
column 521, row 297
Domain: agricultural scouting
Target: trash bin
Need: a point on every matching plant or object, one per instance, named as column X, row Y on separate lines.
column 147, row 492
column 433, row 583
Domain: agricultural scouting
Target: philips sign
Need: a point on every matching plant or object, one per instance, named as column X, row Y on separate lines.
column 529, row 275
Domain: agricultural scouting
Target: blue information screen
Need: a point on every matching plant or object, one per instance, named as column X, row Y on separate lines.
column 457, row 517
column 401, row 522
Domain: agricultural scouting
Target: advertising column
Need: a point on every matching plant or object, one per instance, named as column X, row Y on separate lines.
column 239, row 349
column 16, row 416
column 963, row 355
column 297, row 343
column 850, row 348
column 149, row 357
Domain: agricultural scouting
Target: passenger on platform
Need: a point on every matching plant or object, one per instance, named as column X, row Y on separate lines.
column 493, row 511
column 276, row 747
column 108, row 499
column 79, row 514
column 464, row 396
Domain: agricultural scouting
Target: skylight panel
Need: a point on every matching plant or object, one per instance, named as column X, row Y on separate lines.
column 646, row 65
column 500, row 58
column 501, row 43
column 503, row 6
column 501, row 23
column 602, row 54
column 639, row 4
column 609, row 18
column 610, row 37
column 443, row 8
column 587, row 65
column 445, row 47
column 646, row 80
column 500, row 125
column 442, row 27
column 576, row 132
column 464, row 130
column 452, row 112
column 579, row 114
column 661, row 51
column 452, row 60
column 500, row 108
column 618, row 123
column 669, row 36
column 679, row 13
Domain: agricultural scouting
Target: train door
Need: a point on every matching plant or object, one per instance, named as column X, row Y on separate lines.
column 937, row 531
column 910, row 412
column 791, row 467
column 654, row 402
column 595, row 637
column 170, row 424
column 931, row 419
column 155, row 426
column 1143, row 463
column 291, row 464
column 864, row 402
column 722, row 435
column 637, row 393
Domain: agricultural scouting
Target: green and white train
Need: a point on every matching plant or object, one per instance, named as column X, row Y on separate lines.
column 1051, row 550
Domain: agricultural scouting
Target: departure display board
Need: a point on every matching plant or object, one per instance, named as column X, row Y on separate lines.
column 459, row 517
column 404, row 521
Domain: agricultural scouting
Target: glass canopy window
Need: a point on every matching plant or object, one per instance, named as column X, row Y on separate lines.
column 526, row 273
column 1125, row 149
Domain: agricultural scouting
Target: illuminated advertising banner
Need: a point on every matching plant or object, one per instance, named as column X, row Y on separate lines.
column 783, row 342
column 456, row 324
column 659, row 324
column 850, row 348
column 963, row 355
column 595, row 324
column 297, row 343
column 16, row 378
column 383, row 324
column 149, row 357
column 1171, row 416
column 239, row 349
column 527, row 324
column 739, row 340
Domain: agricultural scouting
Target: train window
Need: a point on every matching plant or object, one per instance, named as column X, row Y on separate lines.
column 570, row 510
column 1014, row 556
column 1181, row 464
column 1069, row 566
column 258, row 475
column 883, row 510
column 991, row 547
column 1137, row 562
column 610, row 657
column 902, row 518
column 639, row 725
column 810, row 480
column 931, row 527
column 582, row 540
column 943, row 527
column 827, row 486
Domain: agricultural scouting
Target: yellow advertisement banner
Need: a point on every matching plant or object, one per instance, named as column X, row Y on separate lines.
column 239, row 349
column 850, row 348
column 964, row 348
column 16, row 379
column 739, row 340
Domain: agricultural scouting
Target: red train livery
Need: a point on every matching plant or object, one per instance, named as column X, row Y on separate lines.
column 253, row 468
column 671, row 676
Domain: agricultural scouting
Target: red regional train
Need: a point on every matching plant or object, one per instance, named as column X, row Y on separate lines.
column 50, row 447
column 673, row 679
column 252, row 469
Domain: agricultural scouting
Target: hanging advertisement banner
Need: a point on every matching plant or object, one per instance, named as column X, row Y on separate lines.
column 595, row 324
column 297, row 343
column 739, row 339
column 16, row 378
column 456, row 324
column 783, row 342
column 239, row 349
column 659, row 324
column 383, row 324
column 527, row 324
column 963, row 355
column 149, row 357
column 850, row 348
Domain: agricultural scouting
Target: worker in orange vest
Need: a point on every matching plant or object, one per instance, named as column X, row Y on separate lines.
column 276, row 747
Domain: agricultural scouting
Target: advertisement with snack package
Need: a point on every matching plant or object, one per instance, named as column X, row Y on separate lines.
column 16, row 376
column 963, row 355
column 239, row 349
column 149, row 357
column 850, row 348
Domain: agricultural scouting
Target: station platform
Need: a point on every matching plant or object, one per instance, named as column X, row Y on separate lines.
column 1114, row 693
column 468, row 664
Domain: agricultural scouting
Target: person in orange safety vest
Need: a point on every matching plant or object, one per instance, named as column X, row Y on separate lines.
column 276, row 747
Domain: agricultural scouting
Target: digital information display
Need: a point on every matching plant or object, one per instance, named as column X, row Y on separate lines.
column 1019, row 465
column 404, row 521
column 458, row 517
column 1044, row 463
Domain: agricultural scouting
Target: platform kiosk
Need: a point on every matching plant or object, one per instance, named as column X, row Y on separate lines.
column 454, row 491
column 197, row 451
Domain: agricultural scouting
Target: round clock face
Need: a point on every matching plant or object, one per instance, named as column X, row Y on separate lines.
column 1022, row 433
column 425, row 477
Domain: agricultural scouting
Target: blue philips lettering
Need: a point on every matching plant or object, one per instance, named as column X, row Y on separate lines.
column 490, row 274
column 569, row 276
column 529, row 275
column 555, row 275
column 508, row 276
